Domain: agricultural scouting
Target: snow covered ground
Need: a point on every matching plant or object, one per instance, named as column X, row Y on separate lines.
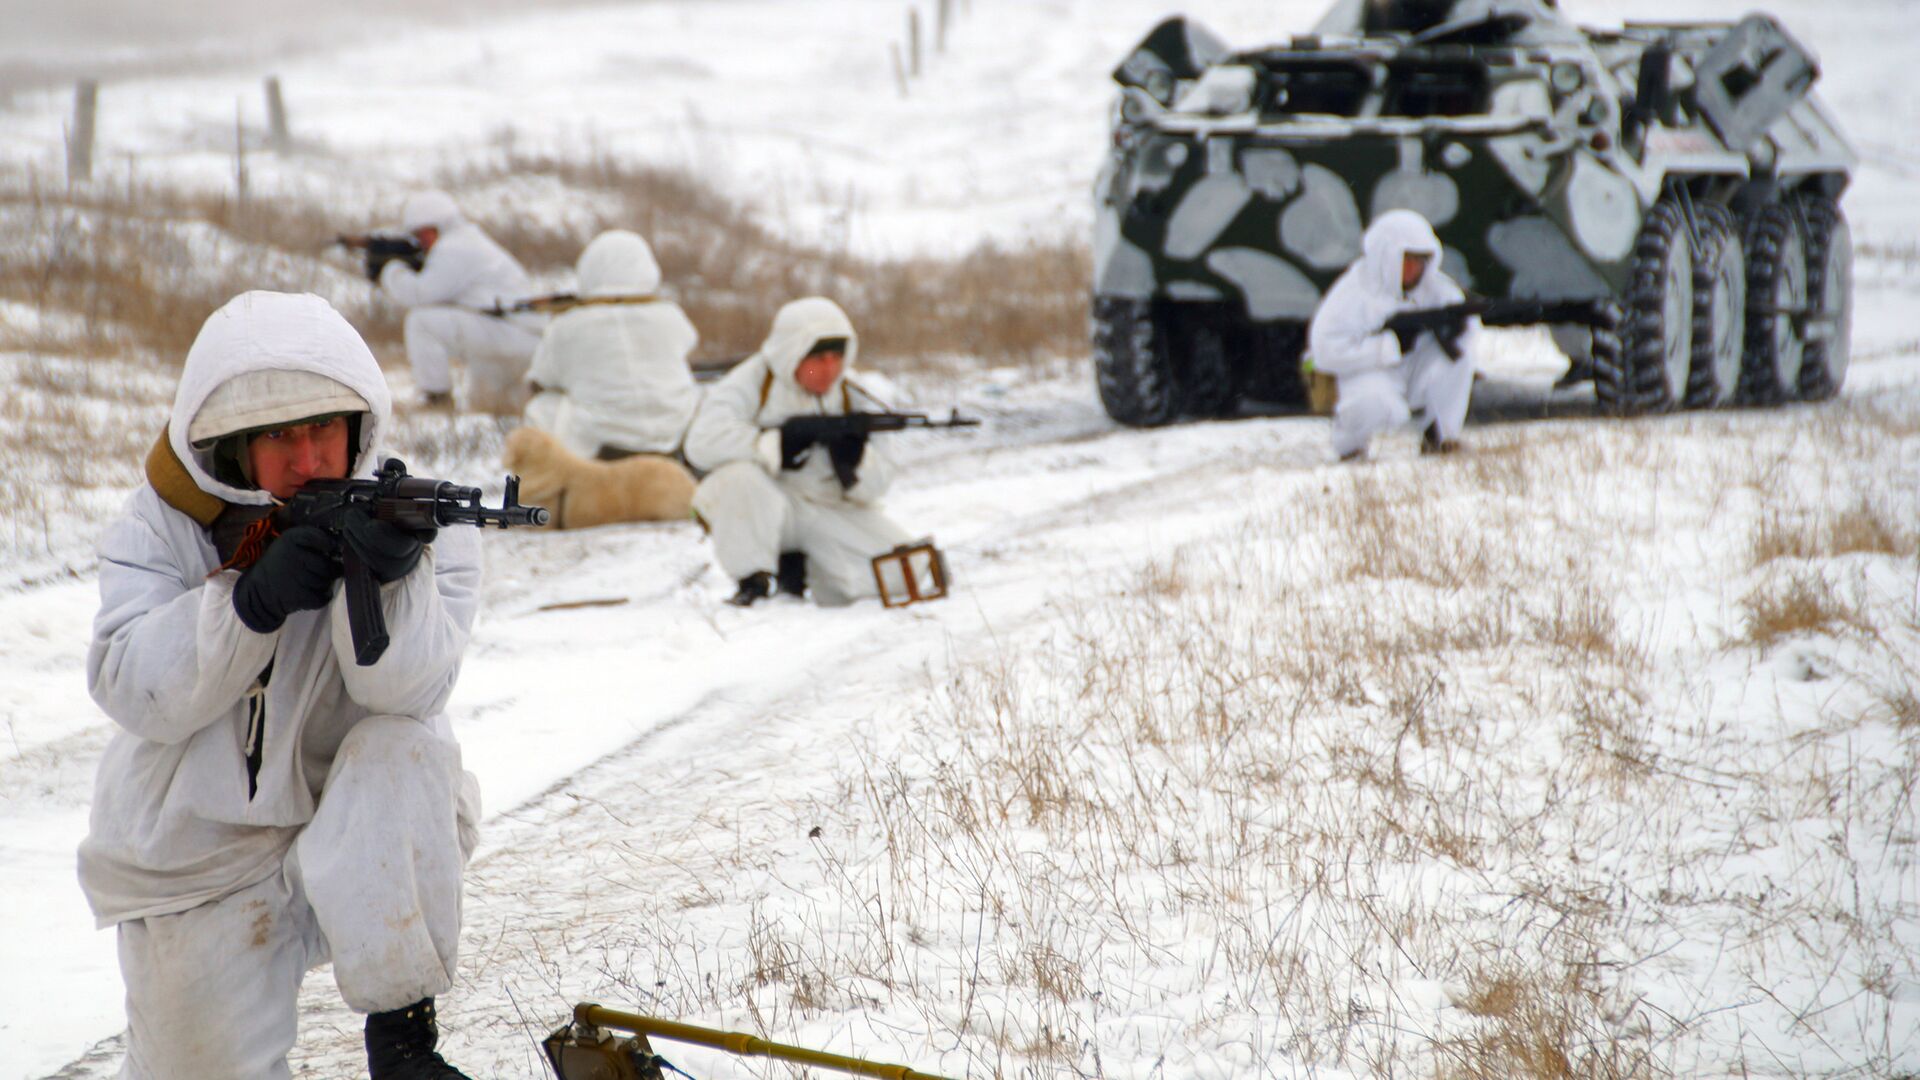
column 1223, row 761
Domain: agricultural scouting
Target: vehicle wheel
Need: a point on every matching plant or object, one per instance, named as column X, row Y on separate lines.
column 1776, row 302
column 1657, row 347
column 1131, row 364
column 1270, row 367
column 1829, row 336
column 1719, row 309
column 1207, row 385
column 1604, row 360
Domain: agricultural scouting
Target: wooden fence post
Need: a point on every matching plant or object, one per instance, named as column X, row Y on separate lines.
column 239, row 158
column 913, row 41
column 278, row 136
column 86, row 100
column 899, row 69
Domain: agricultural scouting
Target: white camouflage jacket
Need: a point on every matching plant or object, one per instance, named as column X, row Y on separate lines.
column 180, row 815
column 1346, row 335
column 760, row 393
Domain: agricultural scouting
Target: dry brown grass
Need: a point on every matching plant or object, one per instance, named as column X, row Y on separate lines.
column 1527, row 1032
column 139, row 266
column 1791, row 604
column 1865, row 527
column 732, row 268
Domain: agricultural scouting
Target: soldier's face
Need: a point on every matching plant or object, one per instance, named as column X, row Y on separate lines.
column 425, row 237
column 1413, row 267
column 818, row 371
column 284, row 459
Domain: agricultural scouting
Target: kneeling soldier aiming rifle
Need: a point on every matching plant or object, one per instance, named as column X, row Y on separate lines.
column 792, row 494
column 269, row 805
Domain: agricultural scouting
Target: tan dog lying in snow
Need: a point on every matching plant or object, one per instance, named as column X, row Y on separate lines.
column 581, row 493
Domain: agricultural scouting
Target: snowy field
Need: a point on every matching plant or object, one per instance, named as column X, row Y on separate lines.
column 1590, row 752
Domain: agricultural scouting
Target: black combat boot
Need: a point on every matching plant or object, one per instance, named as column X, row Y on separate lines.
column 400, row 1045
column 756, row 586
column 793, row 573
column 1432, row 443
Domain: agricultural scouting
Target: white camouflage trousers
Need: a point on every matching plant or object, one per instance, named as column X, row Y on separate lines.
column 1383, row 399
column 753, row 518
column 372, row 883
column 497, row 351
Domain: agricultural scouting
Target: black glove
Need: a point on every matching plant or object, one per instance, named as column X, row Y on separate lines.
column 295, row 574
column 1446, row 326
column 388, row 551
column 1405, row 333
column 798, row 434
column 846, row 452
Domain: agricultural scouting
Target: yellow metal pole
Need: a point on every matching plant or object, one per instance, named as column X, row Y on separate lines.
column 734, row 1042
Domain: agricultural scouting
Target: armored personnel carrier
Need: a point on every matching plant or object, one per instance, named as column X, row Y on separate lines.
column 1665, row 197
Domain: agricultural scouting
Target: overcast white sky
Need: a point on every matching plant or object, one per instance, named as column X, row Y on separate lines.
column 42, row 42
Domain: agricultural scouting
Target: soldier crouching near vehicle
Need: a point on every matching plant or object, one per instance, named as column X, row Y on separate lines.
column 798, row 517
column 1384, row 374
column 268, row 804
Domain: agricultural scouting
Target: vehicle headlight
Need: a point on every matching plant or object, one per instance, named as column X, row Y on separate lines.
column 1221, row 90
column 1136, row 106
column 1567, row 77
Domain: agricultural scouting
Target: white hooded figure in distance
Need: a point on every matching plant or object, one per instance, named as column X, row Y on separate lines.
column 464, row 274
column 266, row 804
column 786, row 512
column 610, row 377
column 1383, row 379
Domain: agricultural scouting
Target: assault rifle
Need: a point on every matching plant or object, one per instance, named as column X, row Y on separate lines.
column 555, row 303
column 1446, row 324
column 845, row 436
column 411, row 502
column 383, row 248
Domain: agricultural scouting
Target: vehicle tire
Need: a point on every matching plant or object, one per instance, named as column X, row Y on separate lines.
column 1270, row 367
column 1776, row 302
column 1604, row 360
column 1719, row 308
column 1829, row 347
column 1131, row 363
column 1207, row 387
column 1657, row 347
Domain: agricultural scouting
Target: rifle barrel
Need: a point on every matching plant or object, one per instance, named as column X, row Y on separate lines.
column 740, row 1044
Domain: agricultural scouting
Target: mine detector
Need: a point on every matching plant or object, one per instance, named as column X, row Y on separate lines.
column 1664, row 196
column 591, row 1047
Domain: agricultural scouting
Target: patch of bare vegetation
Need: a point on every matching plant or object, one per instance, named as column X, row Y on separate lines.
column 135, row 267
column 1797, row 604
column 1865, row 527
column 731, row 269
column 1433, row 769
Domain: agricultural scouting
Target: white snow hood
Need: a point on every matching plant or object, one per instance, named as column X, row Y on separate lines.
column 618, row 263
column 258, row 331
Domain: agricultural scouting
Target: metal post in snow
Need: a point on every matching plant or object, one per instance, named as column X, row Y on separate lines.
column 239, row 157
column 277, row 133
column 913, row 42
column 86, row 100
column 899, row 69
